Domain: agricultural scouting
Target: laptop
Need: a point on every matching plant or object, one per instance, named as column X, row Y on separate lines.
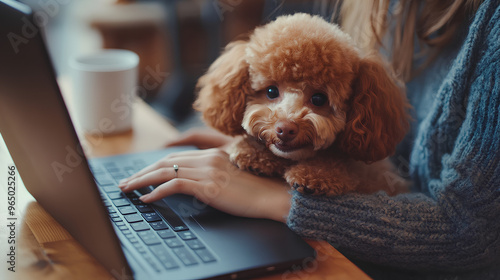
column 175, row 238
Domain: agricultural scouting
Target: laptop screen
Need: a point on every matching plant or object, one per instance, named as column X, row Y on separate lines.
column 38, row 131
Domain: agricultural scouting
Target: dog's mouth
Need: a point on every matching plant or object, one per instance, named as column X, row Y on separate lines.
column 292, row 151
column 287, row 146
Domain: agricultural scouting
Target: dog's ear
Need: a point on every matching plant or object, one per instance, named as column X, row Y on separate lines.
column 223, row 89
column 378, row 118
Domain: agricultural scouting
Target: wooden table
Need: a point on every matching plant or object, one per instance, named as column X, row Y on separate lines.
column 45, row 250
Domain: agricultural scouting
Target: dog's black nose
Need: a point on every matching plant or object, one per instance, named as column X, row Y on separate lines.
column 286, row 130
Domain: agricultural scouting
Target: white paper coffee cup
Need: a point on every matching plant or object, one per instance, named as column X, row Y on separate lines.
column 103, row 86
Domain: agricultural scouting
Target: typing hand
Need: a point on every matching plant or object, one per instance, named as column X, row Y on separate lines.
column 211, row 178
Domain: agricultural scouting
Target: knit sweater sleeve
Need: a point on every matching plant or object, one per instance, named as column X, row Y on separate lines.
column 453, row 223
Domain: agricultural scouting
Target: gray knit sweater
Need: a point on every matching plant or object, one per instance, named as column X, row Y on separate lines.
column 451, row 221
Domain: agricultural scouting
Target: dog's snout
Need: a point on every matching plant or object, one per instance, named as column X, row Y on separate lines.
column 286, row 130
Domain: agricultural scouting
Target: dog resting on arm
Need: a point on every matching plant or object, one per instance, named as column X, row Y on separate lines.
column 310, row 107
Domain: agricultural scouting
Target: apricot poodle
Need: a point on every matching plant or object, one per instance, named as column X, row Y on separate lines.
column 310, row 107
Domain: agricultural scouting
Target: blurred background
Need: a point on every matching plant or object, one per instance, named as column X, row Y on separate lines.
column 175, row 39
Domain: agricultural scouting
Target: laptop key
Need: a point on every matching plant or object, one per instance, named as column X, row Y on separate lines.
column 122, row 228
column 163, row 256
column 205, row 255
column 149, row 237
column 174, row 242
column 140, row 226
column 144, row 208
column 167, row 233
column 104, row 180
column 129, row 171
column 109, row 164
column 118, row 175
column 133, row 218
column 150, row 261
column 171, row 217
column 96, row 168
column 139, row 164
column 195, row 244
column 115, row 195
column 151, row 217
column 133, row 240
column 185, row 256
column 121, row 202
column 131, row 195
column 142, row 250
column 109, row 189
column 127, row 210
column 129, row 235
column 158, row 225
column 186, row 235
column 136, row 201
column 111, row 167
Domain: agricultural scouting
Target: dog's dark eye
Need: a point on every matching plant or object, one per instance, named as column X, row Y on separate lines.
column 272, row 92
column 319, row 99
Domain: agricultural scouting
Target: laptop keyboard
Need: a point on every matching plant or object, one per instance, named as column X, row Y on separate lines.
column 155, row 232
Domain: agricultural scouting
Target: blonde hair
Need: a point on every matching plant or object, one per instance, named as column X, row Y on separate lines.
column 432, row 23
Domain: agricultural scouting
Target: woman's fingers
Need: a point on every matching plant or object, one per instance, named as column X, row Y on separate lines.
column 179, row 185
column 206, row 192
column 159, row 176
column 148, row 169
column 185, row 159
column 182, row 160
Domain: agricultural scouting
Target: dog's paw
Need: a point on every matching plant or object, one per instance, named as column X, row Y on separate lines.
column 249, row 155
column 306, row 190
column 251, row 162
column 318, row 189
column 317, row 181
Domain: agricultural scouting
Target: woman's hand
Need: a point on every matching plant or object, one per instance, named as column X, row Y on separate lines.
column 211, row 178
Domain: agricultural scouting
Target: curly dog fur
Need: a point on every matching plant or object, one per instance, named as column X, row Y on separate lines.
column 310, row 106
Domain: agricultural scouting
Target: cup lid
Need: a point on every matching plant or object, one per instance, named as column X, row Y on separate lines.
column 106, row 60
